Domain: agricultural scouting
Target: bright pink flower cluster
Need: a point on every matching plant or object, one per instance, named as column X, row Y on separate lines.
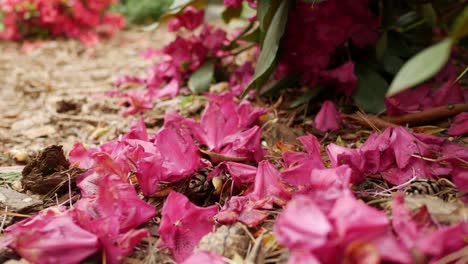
column 85, row 20
column 179, row 59
column 190, row 19
column 316, row 30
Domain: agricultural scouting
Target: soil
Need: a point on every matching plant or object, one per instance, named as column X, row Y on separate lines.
column 53, row 94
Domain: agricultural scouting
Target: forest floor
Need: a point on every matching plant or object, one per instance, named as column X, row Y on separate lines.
column 54, row 94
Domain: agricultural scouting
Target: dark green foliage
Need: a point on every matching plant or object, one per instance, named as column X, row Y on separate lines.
column 143, row 11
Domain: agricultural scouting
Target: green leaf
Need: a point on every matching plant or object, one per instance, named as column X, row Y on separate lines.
column 267, row 58
column 262, row 14
column 421, row 67
column 392, row 64
column 231, row 12
column 141, row 11
column 460, row 27
column 306, row 97
column 381, row 46
column 371, row 89
column 201, row 79
column 429, row 14
column 282, row 84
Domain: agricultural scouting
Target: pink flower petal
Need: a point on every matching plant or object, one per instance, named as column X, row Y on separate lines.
column 183, row 224
column 344, row 76
column 179, row 153
column 240, row 173
column 328, row 118
column 242, row 209
column 244, row 145
column 459, row 126
column 354, row 220
column 52, row 236
column 302, row 226
column 268, row 185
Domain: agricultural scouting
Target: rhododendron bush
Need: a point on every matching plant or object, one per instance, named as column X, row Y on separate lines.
column 85, row 20
column 337, row 193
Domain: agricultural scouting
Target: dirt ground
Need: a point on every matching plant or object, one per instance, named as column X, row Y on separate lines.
column 54, row 93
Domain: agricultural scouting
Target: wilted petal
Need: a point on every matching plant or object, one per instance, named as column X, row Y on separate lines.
column 344, row 76
column 248, row 114
column 268, row 185
column 323, row 179
column 302, row 226
column 52, row 236
column 328, row 118
column 115, row 198
column 116, row 245
column 242, row 209
column 149, row 173
column 354, row 220
column 137, row 102
column 239, row 172
column 183, row 224
column 244, row 145
column 444, row 240
column 459, row 126
column 169, row 91
column 179, row 154
column 137, row 131
column 299, row 165
column 404, row 145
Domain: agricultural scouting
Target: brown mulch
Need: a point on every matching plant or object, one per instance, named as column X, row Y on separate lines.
column 54, row 94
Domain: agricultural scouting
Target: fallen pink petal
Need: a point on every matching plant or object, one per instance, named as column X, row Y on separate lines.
column 183, row 224
column 234, row 131
column 328, row 118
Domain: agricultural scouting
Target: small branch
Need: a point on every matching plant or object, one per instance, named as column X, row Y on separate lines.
column 370, row 121
column 427, row 116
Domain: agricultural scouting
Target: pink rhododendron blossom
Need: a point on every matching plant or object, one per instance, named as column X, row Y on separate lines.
column 52, row 236
column 115, row 199
column 424, row 97
column 204, row 257
column 331, row 231
column 137, row 131
column 354, row 220
column 395, row 153
column 112, row 214
column 190, row 19
column 179, row 59
column 444, row 240
column 84, row 20
column 179, row 154
column 214, row 126
column 315, row 30
column 234, row 3
column 222, row 124
column 268, row 185
column 244, row 210
column 299, row 165
column 294, row 228
column 344, row 76
column 239, row 172
column 417, row 231
column 137, row 102
column 241, row 78
column 328, row 118
column 183, row 224
column 244, row 145
column 459, row 126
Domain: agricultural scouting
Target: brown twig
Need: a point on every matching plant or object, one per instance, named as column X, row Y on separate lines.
column 427, row 116
column 369, row 121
